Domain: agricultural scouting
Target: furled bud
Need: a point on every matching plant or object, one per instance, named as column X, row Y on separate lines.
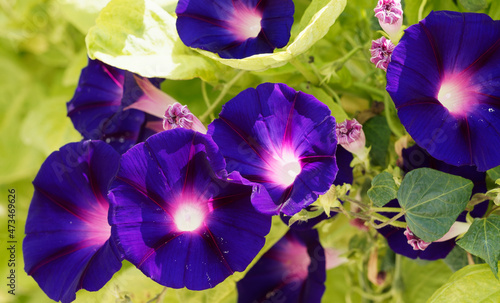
column 390, row 16
column 350, row 136
column 381, row 52
column 414, row 241
column 178, row 115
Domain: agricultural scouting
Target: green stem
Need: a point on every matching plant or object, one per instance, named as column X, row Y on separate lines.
column 389, row 109
column 350, row 54
column 325, row 86
column 159, row 297
column 363, row 284
column 308, row 75
column 397, row 288
column 421, row 9
column 386, row 221
column 369, row 89
column 374, row 297
column 492, row 210
column 387, row 209
column 351, row 200
column 221, row 95
column 205, row 97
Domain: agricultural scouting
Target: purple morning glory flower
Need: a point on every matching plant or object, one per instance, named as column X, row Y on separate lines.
column 344, row 175
column 179, row 218
column 293, row 270
column 444, row 80
column 282, row 139
column 97, row 109
column 403, row 241
column 235, row 28
column 67, row 245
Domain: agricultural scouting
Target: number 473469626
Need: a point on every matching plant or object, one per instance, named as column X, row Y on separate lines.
column 11, row 228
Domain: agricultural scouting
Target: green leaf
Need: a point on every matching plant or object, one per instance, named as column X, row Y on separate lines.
column 336, row 109
column 456, row 259
column 474, row 5
column 494, row 173
column 420, row 281
column 383, row 189
column 483, row 240
column 140, row 36
column 494, row 12
column 377, row 134
column 128, row 285
column 81, row 13
column 339, row 288
column 314, row 25
column 47, row 127
column 471, row 284
column 432, row 201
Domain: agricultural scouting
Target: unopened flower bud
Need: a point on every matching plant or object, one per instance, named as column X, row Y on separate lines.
column 178, row 115
column 350, row 136
column 381, row 52
column 414, row 241
column 390, row 16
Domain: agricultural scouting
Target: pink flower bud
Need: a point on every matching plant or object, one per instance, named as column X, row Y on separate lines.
column 155, row 102
column 178, row 115
column 390, row 16
column 381, row 52
column 350, row 136
column 414, row 241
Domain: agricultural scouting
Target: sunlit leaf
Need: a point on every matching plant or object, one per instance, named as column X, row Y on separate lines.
column 315, row 23
column 140, row 36
column 471, row 284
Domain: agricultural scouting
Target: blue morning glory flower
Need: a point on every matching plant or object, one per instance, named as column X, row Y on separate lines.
column 67, row 245
column 179, row 218
column 444, row 80
column 344, row 175
column 97, row 108
column 293, row 270
column 235, row 28
column 282, row 139
column 403, row 241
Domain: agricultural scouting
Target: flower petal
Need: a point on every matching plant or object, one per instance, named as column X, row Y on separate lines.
column 282, row 139
column 67, row 245
column 97, row 108
column 178, row 218
column 293, row 270
column 443, row 79
column 235, row 29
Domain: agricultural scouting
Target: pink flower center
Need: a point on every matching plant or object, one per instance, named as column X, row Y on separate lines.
column 456, row 94
column 245, row 22
column 285, row 169
column 188, row 217
column 99, row 228
column 296, row 260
